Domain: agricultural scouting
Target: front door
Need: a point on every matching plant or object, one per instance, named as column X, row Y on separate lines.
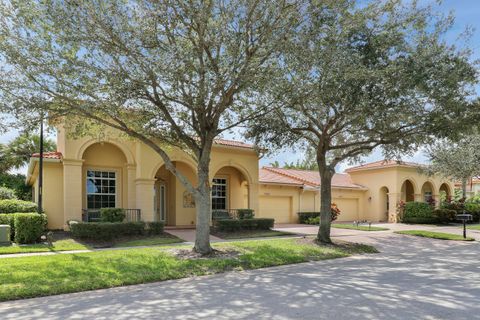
column 161, row 201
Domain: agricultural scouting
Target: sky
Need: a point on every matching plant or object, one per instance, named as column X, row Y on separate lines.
column 467, row 14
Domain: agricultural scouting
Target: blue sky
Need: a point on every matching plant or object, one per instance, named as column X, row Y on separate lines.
column 467, row 13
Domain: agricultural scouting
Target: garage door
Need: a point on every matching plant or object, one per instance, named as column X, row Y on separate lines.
column 278, row 208
column 348, row 209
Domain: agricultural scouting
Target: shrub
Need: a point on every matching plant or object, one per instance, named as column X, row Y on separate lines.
column 7, row 193
column 473, row 208
column 444, row 215
column 106, row 231
column 155, row 227
column 303, row 217
column 245, row 213
column 112, row 215
column 29, row 227
column 8, row 219
column 418, row 212
column 335, row 211
column 313, row 220
column 14, row 206
column 245, row 224
column 264, row 223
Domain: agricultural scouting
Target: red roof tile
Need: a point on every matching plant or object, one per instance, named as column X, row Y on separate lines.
column 383, row 164
column 48, row 155
column 303, row 177
column 233, row 143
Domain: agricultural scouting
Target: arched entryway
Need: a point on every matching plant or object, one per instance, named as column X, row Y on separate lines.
column 230, row 189
column 445, row 192
column 104, row 173
column 384, row 203
column 427, row 191
column 408, row 191
column 172, row 202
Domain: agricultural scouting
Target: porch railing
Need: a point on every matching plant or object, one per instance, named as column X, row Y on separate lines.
column 93, row 215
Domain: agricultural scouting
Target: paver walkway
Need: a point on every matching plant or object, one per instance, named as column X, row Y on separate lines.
column 412, row 278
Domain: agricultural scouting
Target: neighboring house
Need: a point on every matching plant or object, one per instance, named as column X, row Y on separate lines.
column 87, row 174
column 473, row 187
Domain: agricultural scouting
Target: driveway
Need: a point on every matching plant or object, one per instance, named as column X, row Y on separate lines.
column 412, row 278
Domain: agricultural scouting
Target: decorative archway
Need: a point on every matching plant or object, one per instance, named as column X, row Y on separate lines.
column 445, row 192
column 384, row 203
column 428, row 191
column 408, row 191
column 126, row 151
column 230, row 188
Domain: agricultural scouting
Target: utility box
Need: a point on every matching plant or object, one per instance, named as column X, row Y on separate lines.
column 4, row 234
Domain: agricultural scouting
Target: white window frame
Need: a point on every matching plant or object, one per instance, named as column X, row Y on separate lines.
column 226, row 191
column 116, row 179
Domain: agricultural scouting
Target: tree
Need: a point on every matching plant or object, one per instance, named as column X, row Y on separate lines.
column 168, row 73
column 17, row 152
column 308, row 163
column 360, row 77
column 459, row 160
column 16, row 182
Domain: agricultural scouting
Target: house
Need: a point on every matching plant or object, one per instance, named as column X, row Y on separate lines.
column 89, row 173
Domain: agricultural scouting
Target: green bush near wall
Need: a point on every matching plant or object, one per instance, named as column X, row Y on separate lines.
column 305, row 217
column 29, row 227
column 245, row 224
column 15, row 206
column 106, row 231
column 155, row 227
column 418, row 212
column 112, row 214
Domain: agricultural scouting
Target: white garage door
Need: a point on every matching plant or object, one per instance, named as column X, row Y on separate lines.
column 278, row 208
column 348, row 209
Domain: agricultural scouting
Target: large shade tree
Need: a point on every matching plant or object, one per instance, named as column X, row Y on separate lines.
column 168, row 73
column 458, row 159
column 358, row 77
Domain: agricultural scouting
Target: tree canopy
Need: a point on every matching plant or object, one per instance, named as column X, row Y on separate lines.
column 168, row 73
column 359, row 77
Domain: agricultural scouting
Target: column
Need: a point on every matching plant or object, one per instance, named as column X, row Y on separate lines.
column 393, row 200
column 72, row 190
column 145, row 198
column 131, row 186
column 253, row 197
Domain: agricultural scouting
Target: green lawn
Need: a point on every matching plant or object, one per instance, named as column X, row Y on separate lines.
column 435, row 235
column 362, row 228
column 149, row 241
column 473, row 227
column 250, row 234
column 59, row 245
column 48, row 275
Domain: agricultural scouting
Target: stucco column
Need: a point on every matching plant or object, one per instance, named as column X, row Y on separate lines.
column 418, row 197
column 393, row 199
column 436, row 197
column 131, row 187
column 72, row 193
column 144, row 198
column 253, row 197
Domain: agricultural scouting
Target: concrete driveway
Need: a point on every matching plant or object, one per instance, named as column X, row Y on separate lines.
column 413, row 278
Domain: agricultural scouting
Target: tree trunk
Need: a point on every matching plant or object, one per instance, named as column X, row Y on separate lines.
column 203, row 207
column 325, row 206
column 464, row 188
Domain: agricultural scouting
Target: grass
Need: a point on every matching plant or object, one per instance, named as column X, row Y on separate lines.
column 354, row 227
column 435, row 235
column 250, row 234
column 149, row 241
column 59, row 245
column 55, row 274
column 473, row 227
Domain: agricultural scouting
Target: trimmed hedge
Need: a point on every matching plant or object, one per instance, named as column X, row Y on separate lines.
column 112, row 215
column 444, row 215
column 245, row 224
column 29, row 227
column 15, row 206
column 156, row 227
column 418, row 212
column 304, row 217
column 106, row 231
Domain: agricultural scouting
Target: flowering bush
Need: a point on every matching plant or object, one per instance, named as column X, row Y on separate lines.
column 314, row 217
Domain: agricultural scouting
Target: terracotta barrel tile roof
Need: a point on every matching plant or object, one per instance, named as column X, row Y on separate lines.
column 233, row 143
column 303, row 177
column 384, row 164
column 49, row 155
